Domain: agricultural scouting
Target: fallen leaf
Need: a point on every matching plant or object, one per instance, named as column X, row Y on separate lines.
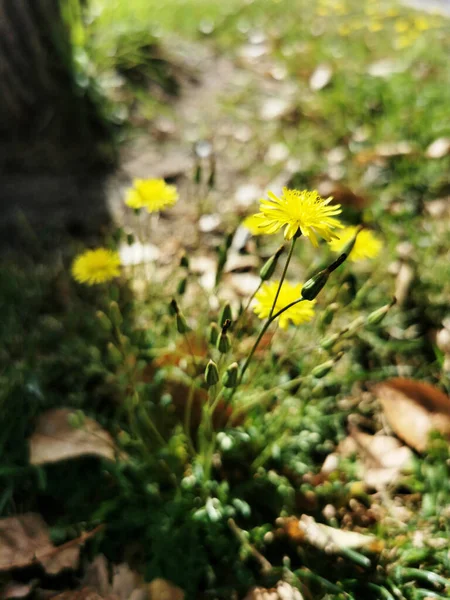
column 54, row 439
column 97, row 575
column 25, row 540
column 341, row 194
column 282, row 591
column 332, row 540
column 414, row 409
column 84, row 593
column 15, row 589
column 125, row 582
column 321, row 77
column 403, row 282
column 161, row 589
column 383, row 458
column 439, row 148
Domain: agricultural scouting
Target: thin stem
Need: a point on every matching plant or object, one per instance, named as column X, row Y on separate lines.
column 191, row 351
column 215, row 403
column 187, row 418
column 266, row 566
column 283, row 275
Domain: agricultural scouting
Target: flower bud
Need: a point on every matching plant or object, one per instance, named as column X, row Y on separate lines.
column 351, row 244
column 270, row 265
column 230, row 377
column 328, row 314
column 225, row 314
column 211, row 373
column 198, row 174
column 213, row 333
column 173, row 307
column 114, row 354
column 182, row 325
column 223, row 343
column 115, row 315
column 378, row 315
column 184, row 261
column 130, row 239
column 104, row 321
column 323, row 369
column 313, row 286
column 181, row 287
column 329, row 342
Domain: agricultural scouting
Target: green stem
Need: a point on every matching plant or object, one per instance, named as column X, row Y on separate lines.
column 283, row 275
column 187, row 418
column 152, row 426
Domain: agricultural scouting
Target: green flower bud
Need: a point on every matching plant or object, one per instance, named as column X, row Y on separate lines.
column 225, row 314
column 351, row 244
column 223, row 343
column 378, row 315
column 130, row 239
column 213, row 333
column 230, row 377
column 313, row 286
column 104, row 321
column 329, row 342
column 323, row 369
column 115, row 314
column 182, row 325
column 211, row 373
column 114, row 354
column 270, row 265
column 181, row 287
column 173, row 307
column 184, row 261
column 212, row 174
column 328, row 314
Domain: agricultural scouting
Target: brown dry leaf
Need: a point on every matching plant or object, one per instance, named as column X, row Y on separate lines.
column 282, row 591
column 161, row 589
column 15, row 589
column 54, row 439
column 341, row 194
column 332, row 540
column 439, row 148
column 97, row 576
column 414, row 409
column 383, row 458
column 25, row 540
column 84, row 593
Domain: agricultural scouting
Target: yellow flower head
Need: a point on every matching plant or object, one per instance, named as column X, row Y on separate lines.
column 367, row 244
column 300, row 313
column 301, row 212
column 252, row 223
column 152, row 194
column 96, row 266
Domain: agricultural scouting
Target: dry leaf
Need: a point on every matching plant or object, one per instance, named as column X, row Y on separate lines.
column 125, row 582
column 341, row 194
column 84, row 593
column 97, row 576
column 161, row 589
column 283, row 591
column 414, row 409
column 383, row 458
column 403, row 282
column 54, row 439
column 14, row 589
column 332, row 540
column 391, row 149
column 439, row 148
column 25, row 540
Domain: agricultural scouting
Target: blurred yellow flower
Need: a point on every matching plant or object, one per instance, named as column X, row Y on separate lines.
column 401, row 26
column 300, row 313
column 367, row 244
column 151, row 194
column 299, row 212
column 96, row 266
column 376, row 26
column 252, row 223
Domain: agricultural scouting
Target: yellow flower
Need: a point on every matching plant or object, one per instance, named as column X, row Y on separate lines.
column 367, row 244
column 96, row 266
column 252, row 223
column 152, row 194
column 300, row 211
column 300, row 313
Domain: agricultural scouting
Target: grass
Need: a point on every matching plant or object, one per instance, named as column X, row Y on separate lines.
column 266, row 466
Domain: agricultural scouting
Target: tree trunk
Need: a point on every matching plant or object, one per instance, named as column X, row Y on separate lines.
column 47, row 122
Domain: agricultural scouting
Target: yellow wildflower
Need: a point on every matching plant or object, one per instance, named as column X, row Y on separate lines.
column 367, row 244
column 301, row 212
column 252, row 223
column 300, row 313
column 96, row 266
column 152, row 194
